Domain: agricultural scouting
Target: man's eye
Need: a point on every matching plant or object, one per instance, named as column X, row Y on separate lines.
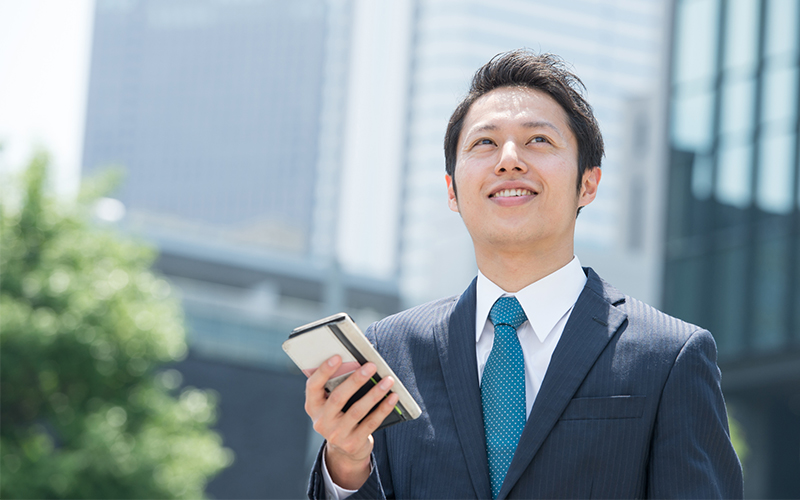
column 539, row 139
column 484, row 141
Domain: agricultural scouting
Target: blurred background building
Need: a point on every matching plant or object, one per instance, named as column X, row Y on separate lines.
column 733, row 235
column 286, row 159
column 617, row 48
column 228, row 119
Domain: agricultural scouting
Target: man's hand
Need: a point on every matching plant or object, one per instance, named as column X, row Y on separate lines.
column 349, row 442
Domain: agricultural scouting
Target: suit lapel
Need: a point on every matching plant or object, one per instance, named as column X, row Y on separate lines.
column 455, row 341
column 593, row 322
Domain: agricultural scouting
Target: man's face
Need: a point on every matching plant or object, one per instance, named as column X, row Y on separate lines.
column 516, row 171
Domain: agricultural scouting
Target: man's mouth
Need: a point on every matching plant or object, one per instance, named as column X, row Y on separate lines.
column 510, row 193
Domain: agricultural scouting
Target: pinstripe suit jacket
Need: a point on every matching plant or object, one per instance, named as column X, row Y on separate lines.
column 630, row 407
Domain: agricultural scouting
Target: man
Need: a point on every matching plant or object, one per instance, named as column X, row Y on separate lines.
column 540, row 380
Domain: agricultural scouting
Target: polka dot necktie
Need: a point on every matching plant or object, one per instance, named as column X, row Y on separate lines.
column 503, row 390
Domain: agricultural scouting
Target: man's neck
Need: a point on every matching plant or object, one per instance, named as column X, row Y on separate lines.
column 514, row 270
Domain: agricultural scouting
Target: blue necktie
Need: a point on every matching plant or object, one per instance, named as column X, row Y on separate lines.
column 503, row 390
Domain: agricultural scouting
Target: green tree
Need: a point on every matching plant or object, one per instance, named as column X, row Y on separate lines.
column 738, row 438
column 87, row 409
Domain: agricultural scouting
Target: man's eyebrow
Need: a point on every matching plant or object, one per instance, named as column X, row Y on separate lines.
column 534, row 124
column 484, row 128
column 541, row 123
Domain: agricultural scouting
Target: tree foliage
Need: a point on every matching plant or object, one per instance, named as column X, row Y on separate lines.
column 738, row 438
column 86, row 408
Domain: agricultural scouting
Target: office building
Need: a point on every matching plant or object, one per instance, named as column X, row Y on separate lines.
column 733, row 232
column 214, row 110
column 228, row 119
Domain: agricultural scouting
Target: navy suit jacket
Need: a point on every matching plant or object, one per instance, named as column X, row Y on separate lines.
column 630, row 407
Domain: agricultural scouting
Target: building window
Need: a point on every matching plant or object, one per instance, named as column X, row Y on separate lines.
column 733, row 234
column 741, row 35
column 696, row 40
column 776, row 173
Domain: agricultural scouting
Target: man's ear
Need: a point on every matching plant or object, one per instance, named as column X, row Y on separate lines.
column 452, row 201
column 591, row 179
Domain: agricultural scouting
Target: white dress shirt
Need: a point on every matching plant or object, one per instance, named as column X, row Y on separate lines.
column 547, row 304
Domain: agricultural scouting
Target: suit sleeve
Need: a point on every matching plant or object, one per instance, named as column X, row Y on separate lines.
column 692, row 455
column 316, row 482
column 374, row 487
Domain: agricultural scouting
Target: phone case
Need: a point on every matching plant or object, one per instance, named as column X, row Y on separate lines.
column 311, row 345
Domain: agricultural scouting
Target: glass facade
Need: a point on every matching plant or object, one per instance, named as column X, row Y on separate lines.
column 733, row 229
column 732, row 240
column 213, row 108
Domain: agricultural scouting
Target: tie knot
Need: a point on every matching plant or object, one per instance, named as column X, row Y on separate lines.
column 507, row 311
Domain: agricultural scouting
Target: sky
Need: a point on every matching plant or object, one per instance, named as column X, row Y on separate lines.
column 44, row 69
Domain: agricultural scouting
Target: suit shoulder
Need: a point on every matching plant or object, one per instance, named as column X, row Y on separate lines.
column 417, row 322
column 643, row 318
column 662, row 336
column 641, row 312
column 422, row 315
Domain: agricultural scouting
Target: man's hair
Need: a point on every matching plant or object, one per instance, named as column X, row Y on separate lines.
column 546, row 73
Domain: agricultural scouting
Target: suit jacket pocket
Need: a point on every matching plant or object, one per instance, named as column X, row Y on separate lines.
column 604, row 408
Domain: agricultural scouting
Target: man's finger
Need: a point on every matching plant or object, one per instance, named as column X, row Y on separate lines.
column 362, row 407
column 339, row 397
column 315, row 385
column 374, row 419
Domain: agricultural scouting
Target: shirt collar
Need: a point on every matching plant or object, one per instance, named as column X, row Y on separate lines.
column 545, row 301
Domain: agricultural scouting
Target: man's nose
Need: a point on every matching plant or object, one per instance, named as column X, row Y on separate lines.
column 510, row 159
